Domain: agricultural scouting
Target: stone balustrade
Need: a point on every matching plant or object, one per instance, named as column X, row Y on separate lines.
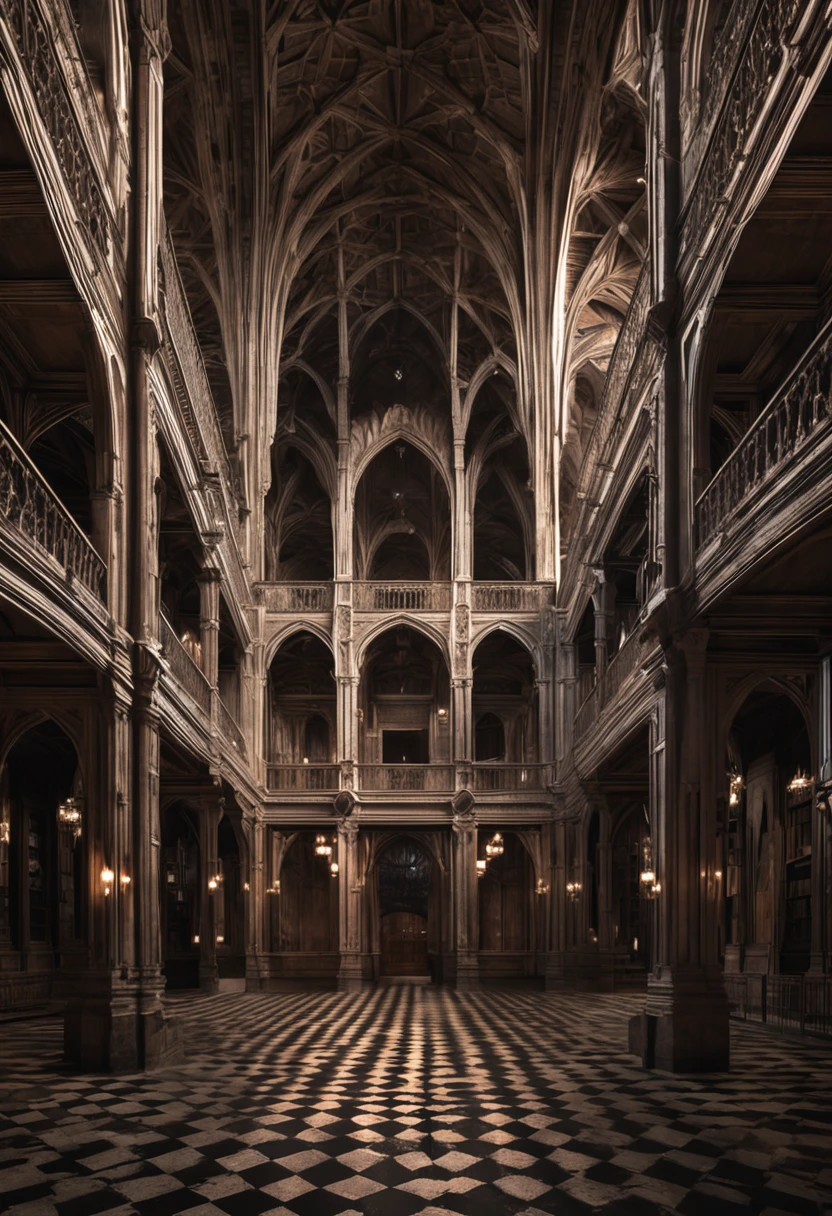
column 36, row 514
column 297, row 597
column 402, row 597
column 183, row 669
column 624, row 664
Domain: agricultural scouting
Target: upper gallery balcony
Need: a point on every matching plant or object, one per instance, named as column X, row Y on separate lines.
column 403, row 596
column 497, row 778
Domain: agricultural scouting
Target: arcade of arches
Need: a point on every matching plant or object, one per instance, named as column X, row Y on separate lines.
column 415, row 515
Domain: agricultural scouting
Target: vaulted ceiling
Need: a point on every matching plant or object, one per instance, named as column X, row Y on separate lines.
column 361, row 185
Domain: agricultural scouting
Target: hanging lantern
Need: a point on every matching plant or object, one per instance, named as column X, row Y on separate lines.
column 333, row 869
column 69, row 817
column 800, row 781
column 495, row 847
column 321, row 847
column 573, row 890
column 541, row 888
column 481, row 868
column 648, row 886
column 735, row 787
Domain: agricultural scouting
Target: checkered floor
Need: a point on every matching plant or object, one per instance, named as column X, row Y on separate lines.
column 414, row 1100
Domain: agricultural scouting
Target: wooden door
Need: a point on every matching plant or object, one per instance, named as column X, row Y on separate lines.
column 404, row 944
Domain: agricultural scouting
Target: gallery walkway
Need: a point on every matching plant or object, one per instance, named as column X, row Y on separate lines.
column 414, row 1100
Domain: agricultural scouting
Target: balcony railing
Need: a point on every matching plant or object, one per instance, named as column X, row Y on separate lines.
column 184, row 670
column 303, row 777
column 28, row 505
column 297, row 597
column 228, row 727
column 621, row 667
column 401, row 778
column 511, row 597
column 800, row 1003
column 496, row 777
column 402, row 597
column 797, row 413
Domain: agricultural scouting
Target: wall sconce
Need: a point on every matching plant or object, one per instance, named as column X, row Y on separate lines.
column 220, row 938
column 735, row 786
column 212, row 884
column 275, row 890
column 495, row 846
column 800, row 781
column 442, row 713
column 196, row 939
column 246, row 886
column 481, row 868
column 321, row 847
column 107, row 877
column 5, row 832
column 541, row 888
column 125, row 881
column 305, row 759
column 333, row 868
column 573, row 890
column 648, row 886
column 69, row 816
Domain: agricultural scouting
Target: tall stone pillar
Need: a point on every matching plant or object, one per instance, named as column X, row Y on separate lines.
column 349, row 904
column 555, row 963
column 544, row 715
column 685, row 1026
column 209, row 822
column 209, row 622
column 463, row 535
column 466, row 924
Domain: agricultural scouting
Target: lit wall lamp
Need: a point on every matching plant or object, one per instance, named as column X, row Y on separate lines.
column 246, row 886
column 212, row 884
column 107, row 877
column 125, row 881
column 573, row 890
column 800, row 781
column 196, row 939
column 481, row 868
column 542, row 887
column 220, row 938
column 735, row 785
column 333, row 869
column 648, row 886
column 275, row 890
column 442, row 714
column 321, row 847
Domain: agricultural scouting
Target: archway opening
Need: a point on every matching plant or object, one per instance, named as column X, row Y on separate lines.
column 402, row 518
column 42, row 852
column 631, row 912
column 298, row 520
column 504, row 688
column 302, row 700
column 404, row 886
column 180, row 904
column 767, row 866
column 404, row 701
column 489, row 739
column 230, row 913
column 307, row 905
column 506, row 893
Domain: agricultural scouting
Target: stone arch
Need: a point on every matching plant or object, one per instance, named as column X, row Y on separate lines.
column 282, row 635
column 408, row 620
column 520, row 633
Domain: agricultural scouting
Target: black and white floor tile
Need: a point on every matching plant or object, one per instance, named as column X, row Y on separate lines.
column 407, row 1100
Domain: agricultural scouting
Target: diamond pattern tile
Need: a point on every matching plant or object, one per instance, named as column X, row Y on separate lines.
column 412, row 1100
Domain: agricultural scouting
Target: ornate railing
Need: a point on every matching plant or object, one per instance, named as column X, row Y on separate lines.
column 794, row 415
column 29, row 506
column 720, row 70
column 743, row 103
column 309, row 777
column 183, row 669
column 511, row 597
column 498, row 777
column 228, row 726
column 35, row 47
column 297, row 597
column 402, row 597
column 430, row 778
column 621, row 667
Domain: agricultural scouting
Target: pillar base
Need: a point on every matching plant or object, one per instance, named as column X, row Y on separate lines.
column 467, row 972
column 111, row 1025
column 351, row 973
column 685, row 1027
column 209, row 978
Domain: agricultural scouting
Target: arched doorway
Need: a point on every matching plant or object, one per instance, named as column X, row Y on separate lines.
column 404, row 886
column 767, row 866
column 404, row 704
column 631, row 912
column 307, row 905
column 230, row 916
column 506, row 910
column 43, row 831
column 180, row 904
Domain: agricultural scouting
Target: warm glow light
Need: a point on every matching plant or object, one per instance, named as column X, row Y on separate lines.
column 125, row 879
column 196, row 939
column 5, row 832
column 220, row 937
column 442, row 713
column 246, row 886
column 305, row 759
column 495, row 846
column 107, row 877
column 481, row 868
column 212, row 884
column 800, row 781
column 541, row 887
column 333, row 869
column 321, row 847
column 69, row 816
column 718, row 873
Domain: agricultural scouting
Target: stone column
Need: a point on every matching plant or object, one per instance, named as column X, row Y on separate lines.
column 209, row 822
column 544, row 718
column 685, row 1027
column 349, row 906
column 209, row 622
column 463, row 539
column 555, row 979
column 601, row 601
column 465, row 895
